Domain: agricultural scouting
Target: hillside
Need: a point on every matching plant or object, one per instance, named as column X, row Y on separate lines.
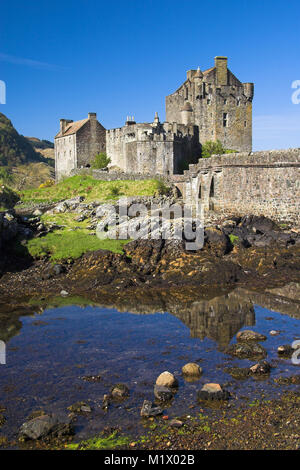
column 44, row 147
column 15, row 149
column 25, row 162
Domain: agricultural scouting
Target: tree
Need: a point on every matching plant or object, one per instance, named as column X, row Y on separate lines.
column 210, row 148
column 101, row 161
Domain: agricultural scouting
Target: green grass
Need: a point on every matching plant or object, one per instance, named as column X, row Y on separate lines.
column 100, row 443
column 91, row 189
column 68, row 245
column 70, row 242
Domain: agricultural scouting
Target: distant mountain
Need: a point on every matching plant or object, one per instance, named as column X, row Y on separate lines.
column 15, row 149
column 40, row 144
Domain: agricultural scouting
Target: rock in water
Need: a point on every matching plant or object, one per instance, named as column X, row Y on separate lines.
column 247, row 350
column 105, row 402
column 166, row 379
column 192, row 370
column 46, row 425
column 213, row 392
column 263, row 367
column 249, row 335
column 119, row 391
column 163, row 393
column 148, row 409
column 285, row 350
column 80, row 407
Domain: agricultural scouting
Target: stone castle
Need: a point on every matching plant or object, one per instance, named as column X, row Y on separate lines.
column 209, row 105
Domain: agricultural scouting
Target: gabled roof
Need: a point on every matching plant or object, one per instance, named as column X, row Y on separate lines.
column 208, row 70
column 72, row 128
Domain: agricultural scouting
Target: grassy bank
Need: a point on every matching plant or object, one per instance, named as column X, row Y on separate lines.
column 90, row 189
column 66, row 245
column 70, row 241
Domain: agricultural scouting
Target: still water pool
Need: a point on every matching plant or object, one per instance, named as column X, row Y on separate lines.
column 49, row 353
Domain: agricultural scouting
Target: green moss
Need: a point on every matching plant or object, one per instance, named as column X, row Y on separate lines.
column 234, row 239
column 90, row 189
column 66, row 245
column 101, row 443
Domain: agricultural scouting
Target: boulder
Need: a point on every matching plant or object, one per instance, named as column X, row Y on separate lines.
column 216, row 241
column 285, row 350
column 148, row 409
column 163, row 393
column 247, row 350
column 119, row 391
column 249, row 335
column 166, row 379
column 80, row 407
column 261, row 368
column 46, row 425
column 212, row 391
column 192, row 370
column 258, row 224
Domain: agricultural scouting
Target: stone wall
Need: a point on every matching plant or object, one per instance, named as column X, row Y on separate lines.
column 65, row 155
column 90, row 140
column 259, row 183
column 114, row 176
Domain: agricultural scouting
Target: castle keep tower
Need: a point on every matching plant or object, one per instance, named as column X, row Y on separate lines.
column 217, row 103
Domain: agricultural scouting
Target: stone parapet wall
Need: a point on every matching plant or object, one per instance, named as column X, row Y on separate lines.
column 114, row 176
column 261, row 183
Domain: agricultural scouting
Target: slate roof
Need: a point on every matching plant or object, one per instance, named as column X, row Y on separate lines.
column 72, row 128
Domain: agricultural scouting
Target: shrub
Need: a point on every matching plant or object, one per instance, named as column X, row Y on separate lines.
column 210, row 148
column 101, row 161
column 115, row 190
column 47, row 184
column 162, row 188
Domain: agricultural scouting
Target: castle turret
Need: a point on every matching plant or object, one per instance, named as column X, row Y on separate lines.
column 249, row 90
column 186, row 113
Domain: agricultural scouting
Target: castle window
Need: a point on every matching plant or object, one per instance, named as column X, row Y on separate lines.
column 238, row 102
column 225, row 101
column 212, row 188
column 208, row 101
column 225, row 120
column 245, row 123
column 186, row 94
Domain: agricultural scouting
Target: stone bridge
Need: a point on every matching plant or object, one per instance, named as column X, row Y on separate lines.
column 261, row 183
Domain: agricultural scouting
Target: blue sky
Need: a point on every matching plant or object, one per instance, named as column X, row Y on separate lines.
column 64, row 59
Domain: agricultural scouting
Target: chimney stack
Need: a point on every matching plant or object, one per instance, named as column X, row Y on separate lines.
column 63, row 124
column 92, row 116
column 221, row 68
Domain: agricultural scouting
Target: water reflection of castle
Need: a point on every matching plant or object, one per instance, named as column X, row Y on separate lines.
column 219, row 318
